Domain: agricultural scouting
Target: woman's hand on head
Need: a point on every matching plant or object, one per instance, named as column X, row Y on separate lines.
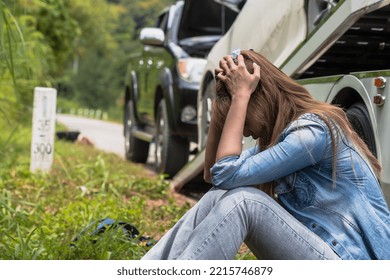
column 238, row 81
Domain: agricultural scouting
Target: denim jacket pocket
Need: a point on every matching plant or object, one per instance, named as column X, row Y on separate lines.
column 298, row 190
column 283, row 187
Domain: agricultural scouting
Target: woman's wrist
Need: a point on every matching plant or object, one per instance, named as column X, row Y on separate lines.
column 240, row 100
column 241, row 96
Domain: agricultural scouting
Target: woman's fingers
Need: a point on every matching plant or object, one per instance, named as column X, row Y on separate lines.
column 236, row 76
column 223, row 66
column 226, row 64
column 240, row 60
column 217, row 71
column 229, row 61
column 256, row 70
column 221, row 76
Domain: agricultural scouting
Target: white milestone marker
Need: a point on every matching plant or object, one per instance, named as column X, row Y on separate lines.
column 43, row 129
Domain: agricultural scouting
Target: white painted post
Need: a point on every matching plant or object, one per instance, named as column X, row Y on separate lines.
column 43, row 129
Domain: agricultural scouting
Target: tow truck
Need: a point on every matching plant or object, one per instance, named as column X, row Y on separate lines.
column 344, row 60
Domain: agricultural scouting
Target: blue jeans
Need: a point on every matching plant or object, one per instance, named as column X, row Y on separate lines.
column 218, row 224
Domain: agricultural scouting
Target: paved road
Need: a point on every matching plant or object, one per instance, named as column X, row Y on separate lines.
column 107, row 136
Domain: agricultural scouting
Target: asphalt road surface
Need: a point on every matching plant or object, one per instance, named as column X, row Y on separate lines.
column 106, row 136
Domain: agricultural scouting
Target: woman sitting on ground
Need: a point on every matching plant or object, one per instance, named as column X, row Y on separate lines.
column 307, row 190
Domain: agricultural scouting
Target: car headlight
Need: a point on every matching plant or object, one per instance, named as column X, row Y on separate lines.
column 191, row 69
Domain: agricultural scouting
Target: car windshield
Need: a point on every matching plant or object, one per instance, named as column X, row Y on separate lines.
column 203, row 18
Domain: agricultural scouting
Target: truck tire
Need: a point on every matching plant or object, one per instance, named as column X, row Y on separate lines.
column 136, row 150
column 359, row 118
column 172, row 151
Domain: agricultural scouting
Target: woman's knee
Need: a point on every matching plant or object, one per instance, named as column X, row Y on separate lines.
column 247, row 193
column 214, row 194
column 210, row 198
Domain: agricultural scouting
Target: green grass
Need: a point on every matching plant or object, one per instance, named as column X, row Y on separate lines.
column 40, row 214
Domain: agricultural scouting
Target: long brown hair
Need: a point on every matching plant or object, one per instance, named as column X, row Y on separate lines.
column 277, row 101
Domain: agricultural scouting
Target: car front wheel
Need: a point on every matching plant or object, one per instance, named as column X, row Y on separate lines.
column 171, row 151
column 136, row 150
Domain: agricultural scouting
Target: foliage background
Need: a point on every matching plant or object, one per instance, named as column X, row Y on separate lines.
column 79, row 47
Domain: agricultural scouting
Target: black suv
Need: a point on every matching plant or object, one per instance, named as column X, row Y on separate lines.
column 162, row 82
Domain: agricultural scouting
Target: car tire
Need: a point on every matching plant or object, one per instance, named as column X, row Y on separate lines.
column 359, row 118
column 172, row 151
column 136, row 150
column 205, row 113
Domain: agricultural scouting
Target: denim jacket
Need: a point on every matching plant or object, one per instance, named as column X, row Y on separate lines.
column 351, row 216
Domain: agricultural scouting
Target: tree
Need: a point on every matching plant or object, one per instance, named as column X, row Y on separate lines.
column 109, row 35
column 61, row 30
column 69, row 44
column 24, row 57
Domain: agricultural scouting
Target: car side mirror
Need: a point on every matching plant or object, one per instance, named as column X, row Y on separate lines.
column 152, row 36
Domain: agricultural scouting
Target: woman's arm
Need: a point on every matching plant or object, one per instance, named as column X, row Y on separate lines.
column 231, row 138
column 213, row 137
column 304, row 145
column 240, row 85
